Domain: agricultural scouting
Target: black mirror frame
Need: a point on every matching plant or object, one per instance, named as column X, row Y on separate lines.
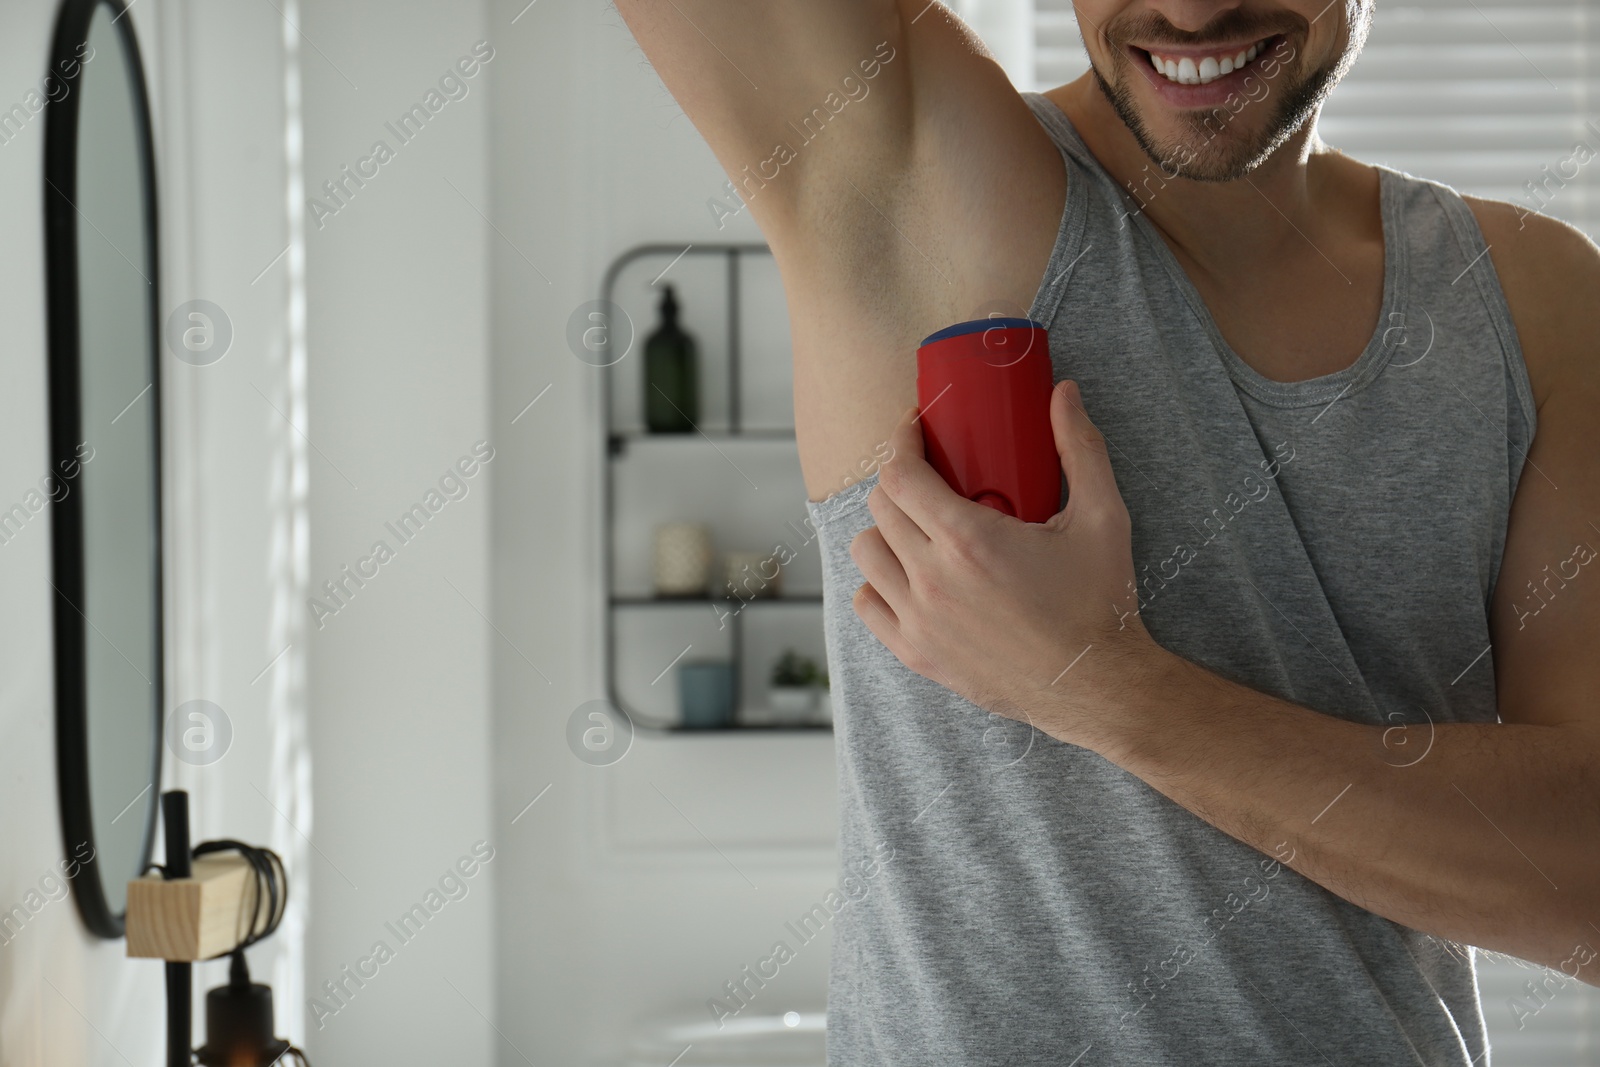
column 67, row 541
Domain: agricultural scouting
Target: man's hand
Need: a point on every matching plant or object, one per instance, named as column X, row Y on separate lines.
column 1026, row 620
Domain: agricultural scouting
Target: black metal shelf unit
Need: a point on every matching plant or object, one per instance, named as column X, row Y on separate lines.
column 617, row 443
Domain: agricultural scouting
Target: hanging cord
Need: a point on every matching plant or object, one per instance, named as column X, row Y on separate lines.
column 272, row 886
column 271, row 900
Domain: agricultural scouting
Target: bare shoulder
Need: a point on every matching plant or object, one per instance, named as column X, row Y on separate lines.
column 1550, row 273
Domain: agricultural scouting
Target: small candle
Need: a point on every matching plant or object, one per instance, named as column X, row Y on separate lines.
column 682, row 559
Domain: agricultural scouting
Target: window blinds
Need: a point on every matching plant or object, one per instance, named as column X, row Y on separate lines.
column 1492, row 98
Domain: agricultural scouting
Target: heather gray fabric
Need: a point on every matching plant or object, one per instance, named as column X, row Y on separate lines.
column 1333, row 542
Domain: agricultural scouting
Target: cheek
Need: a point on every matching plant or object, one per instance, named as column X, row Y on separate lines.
column 1101, row 13
column 1324, row 46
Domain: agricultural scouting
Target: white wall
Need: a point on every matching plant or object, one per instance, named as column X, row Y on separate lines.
column 397, row 284
column 217, row 90
column 1007, row 29
column 53, row 970
column 612, row 906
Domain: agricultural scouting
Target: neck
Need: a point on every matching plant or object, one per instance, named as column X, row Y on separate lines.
column 1274, row 209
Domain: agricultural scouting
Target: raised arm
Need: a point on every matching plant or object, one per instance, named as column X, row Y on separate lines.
column 753, row 74
column 898, row 177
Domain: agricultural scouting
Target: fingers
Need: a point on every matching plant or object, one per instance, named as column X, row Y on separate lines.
column 917, row 490
column 878, row 617
column 905, row 537
column 1085, row 458
column 907, row 436
column 879, row 564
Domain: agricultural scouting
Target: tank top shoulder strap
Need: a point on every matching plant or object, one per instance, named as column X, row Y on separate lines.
column 1065, row 135
column 1445, row 255
column 1090, row 192
column 1052, row 118
column 1449, row 258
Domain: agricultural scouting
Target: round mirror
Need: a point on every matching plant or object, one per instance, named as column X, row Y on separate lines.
column 104, row 478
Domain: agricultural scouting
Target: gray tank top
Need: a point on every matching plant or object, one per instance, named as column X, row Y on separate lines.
column 1333, row 542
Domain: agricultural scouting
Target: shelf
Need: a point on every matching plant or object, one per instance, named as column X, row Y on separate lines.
column 756, row 727
column 696, row 601
column 671, row 472
column 617, row 443
column 782, row 434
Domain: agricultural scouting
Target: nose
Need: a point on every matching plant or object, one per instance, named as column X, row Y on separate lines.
column 1191, row 16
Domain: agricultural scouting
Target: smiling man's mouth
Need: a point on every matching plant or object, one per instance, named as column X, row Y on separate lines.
column 1191, row 66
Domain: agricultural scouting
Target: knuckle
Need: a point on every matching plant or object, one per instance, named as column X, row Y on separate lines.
column 1103, row 518
column 1094, row 440
column 965, row 549
column 1113, row 516
column 935, row 597
column 962, row 553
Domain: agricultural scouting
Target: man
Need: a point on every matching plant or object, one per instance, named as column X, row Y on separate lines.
column 1207, row 769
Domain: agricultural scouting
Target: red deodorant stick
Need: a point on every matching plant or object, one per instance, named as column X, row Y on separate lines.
column 983, row 388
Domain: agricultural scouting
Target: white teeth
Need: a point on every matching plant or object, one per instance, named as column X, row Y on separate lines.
column 1187, row 71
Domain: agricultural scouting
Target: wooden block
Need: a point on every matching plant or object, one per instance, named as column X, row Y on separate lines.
column 193, row 918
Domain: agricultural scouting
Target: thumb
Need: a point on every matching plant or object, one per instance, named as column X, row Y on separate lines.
column 1085, row 459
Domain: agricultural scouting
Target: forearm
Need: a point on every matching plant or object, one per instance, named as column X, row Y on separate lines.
column 1488, row 839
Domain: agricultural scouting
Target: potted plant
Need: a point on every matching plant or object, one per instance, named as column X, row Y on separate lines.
column 824, row 712
column 793, row 691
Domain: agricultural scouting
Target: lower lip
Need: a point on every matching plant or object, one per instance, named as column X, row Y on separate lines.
column 1212, row 93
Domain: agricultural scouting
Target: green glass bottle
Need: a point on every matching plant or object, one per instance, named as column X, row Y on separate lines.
column 671, row 374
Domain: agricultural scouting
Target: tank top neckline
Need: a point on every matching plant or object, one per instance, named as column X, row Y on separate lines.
column 1322, row 389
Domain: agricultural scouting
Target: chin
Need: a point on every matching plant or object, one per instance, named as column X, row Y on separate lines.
column 1223, row 142
column 1214, row 101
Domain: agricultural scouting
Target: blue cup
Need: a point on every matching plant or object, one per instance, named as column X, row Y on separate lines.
column 705, row 693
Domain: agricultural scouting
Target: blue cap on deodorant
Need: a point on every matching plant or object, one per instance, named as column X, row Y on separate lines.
column 976, row 325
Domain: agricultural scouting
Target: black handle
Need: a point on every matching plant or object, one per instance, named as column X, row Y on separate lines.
column 180, row 976
column 175, row 814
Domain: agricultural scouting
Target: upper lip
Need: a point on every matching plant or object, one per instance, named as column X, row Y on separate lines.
column 1201, row 51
